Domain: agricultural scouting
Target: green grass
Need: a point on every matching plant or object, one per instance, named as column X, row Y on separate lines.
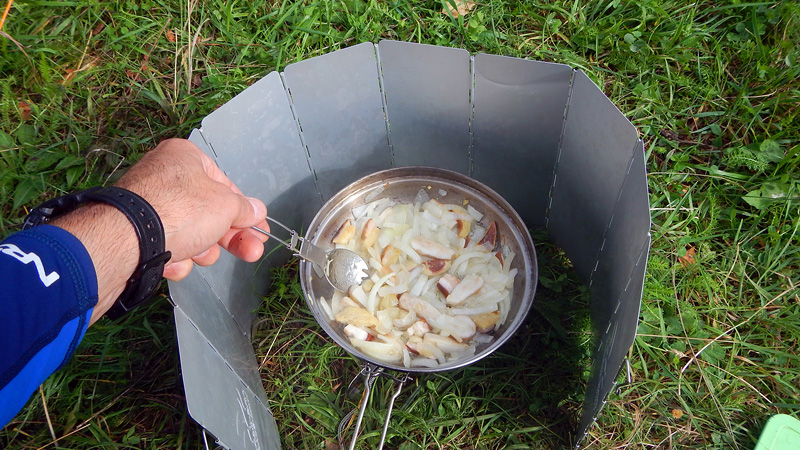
column 525, row 395
column 711, row 86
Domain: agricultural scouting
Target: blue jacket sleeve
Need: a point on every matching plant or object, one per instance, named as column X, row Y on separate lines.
column 48, row 289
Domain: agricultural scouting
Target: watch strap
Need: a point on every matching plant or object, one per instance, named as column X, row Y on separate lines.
column 147, row 225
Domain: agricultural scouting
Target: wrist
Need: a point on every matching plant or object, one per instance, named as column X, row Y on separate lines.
column 111, row 241
column 104, row 227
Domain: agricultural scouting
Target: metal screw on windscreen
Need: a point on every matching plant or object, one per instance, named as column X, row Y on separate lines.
column 342, row 268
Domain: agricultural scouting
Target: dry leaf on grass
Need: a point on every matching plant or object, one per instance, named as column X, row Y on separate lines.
column 197, row 80
column 677, row 413
column 170, row 36
column 688, row 257
column 70, row 73
column 463, row 7
column 24, row 110
column 98, row 28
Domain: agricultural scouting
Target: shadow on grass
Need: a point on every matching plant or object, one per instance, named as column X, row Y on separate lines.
column 527, row 394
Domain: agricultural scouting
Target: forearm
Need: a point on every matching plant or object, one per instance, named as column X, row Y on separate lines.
column 58, row 282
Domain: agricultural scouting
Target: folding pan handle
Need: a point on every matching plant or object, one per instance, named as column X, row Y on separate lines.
column 371, row 372
column 305, row 249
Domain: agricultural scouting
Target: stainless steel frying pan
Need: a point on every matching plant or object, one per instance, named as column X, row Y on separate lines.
column 403, row 185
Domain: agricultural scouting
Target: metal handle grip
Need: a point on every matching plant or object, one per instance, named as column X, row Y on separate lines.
column 305, row 249
column 371, row 373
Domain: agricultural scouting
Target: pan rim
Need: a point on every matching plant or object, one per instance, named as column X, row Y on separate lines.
column 358, row 189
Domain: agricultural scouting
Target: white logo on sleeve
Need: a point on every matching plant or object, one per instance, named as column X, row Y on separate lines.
column 25, row 258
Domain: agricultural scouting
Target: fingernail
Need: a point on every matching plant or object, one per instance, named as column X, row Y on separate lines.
column 259, row 209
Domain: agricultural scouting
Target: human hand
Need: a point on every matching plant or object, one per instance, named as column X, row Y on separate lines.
column 200, row 208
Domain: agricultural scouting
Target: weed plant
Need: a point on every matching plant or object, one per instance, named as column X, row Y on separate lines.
column 86, row 87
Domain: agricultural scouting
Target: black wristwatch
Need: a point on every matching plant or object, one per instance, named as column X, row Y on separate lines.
column 145, row 221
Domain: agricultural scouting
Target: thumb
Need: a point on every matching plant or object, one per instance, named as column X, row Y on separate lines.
column 251, row 211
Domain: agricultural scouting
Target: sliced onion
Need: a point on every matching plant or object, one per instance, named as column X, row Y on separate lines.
column 399, row 225
column 474, row 311
column 389, row 290
column 474, row 213
column 327, row 309
column 422, row 197
column 424, row 362
column 481, row 338
column 379, row 350
column 373, row 293
column 374, row 194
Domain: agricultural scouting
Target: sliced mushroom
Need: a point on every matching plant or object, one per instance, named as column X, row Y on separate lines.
column 489, row 239
column 345, row 233
column 427, row 350
column 379, row 350
column 419, row 328
column 445, row 344
column 347, row 302
column 447, row 283
column 357, row 333
column 463, row 228
column 467, row 287
column 462, row 328
column 420, row 307
column 360, row 317
column 485, row 323
column 369, row 235
column 432, row 267
column 390, row 255
column 431, row 249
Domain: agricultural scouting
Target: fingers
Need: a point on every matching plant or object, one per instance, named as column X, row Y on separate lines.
column 215, row 173
column 245, row 244
column 176, row 271
column 240, row 240
column 179, row 270
column 221, row 216
column 247, row 211
column 208, row 257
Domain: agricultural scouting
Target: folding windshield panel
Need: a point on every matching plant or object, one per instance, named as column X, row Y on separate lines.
column 516, row 125
column 427, row 91
column 541, row 134
column 616, row 286
column 337, row 100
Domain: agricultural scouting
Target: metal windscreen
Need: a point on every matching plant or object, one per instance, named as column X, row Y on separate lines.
column 541, row 134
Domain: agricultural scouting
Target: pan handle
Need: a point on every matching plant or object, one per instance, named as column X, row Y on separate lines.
column 305, row 249
column 371, row 372
column 399, row 383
